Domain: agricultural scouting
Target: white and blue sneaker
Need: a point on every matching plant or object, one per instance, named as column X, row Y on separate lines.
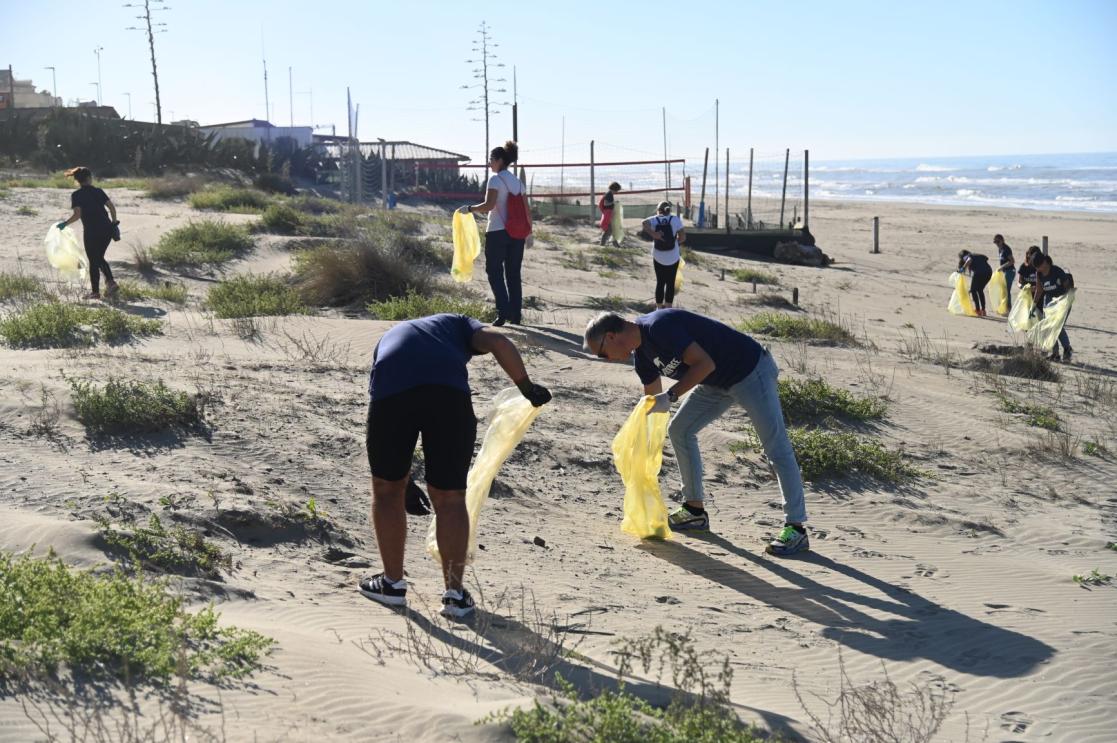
column 457, row 603
column 383, row 590
column 790, row 541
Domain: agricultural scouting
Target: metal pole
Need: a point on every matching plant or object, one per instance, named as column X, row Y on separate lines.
column 384, row 173
column 702, row 200
column 806, row 188
column 593, row 188
column 515, row 109
column 290, row 98
column 876, row 234
column 783, row 197
column 666, row 165
column 717, row 149
column 11, row 88
column 562, row 159
column 98, row 51
column 392, row 172
column 1045, row 244
column 748, row 208
column 727, row 190
column 54, row 84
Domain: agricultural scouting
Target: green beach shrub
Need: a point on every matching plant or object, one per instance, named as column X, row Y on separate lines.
column 789, row 327
column 415, row 305
column 52, row 324
column 133, row 406
column 810, row 400
column 230, row 199
column 172, row 550
column 254, row 296
column 202, row 243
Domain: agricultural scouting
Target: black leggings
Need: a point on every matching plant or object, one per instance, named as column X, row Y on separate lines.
column 96, row 245
column 665, row 282
column 977, row 288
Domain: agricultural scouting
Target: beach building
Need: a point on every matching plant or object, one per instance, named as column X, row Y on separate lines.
column 15, row 93
column 260, row 132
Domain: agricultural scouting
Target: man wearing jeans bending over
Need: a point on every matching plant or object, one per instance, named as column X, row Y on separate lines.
column 718, row 366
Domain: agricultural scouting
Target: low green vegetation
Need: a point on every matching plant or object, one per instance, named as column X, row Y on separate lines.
column 230, row 199
column 58, row 180
column 699, row 711
column 172, row 550
column 133, row 406
column 1094, row 449
column 828, row 455
column 171, row 187
column 26, row 211
column 17, row 286
column 53, row 324
column 750, row 275
column 1094, row 578
column 1039, row 416
column 789, row 327
column 354, row 273
column 617, row 303
column 621, row 717
column 254, row 296
column 274, row 183
column 576, row 260
column 810, row 400
column 420, row 305
column 54, row 617
column 1026, row 364
column 202, row 243
column 130, row 291
column 615, row 258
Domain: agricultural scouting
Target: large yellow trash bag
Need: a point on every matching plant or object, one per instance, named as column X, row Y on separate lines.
column 638, row 455
column 617, row 225
column 1021, row 318
column 998, row 293
column 1045, row 332
column 512, row 414
column 467, row 246
column 960, row 301
column 679, row 275
column 65, row 254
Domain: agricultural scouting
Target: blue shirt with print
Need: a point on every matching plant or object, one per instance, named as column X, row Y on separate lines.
column 429, row 350
column 665, row 334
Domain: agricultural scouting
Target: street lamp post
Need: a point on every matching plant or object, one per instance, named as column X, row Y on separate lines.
column 97, row 85
column 98, row 51
column 129, row 104
column 53, row 83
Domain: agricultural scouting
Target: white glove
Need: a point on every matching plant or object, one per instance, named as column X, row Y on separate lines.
column 463, row 209
column 662, row 404
column 529, row 241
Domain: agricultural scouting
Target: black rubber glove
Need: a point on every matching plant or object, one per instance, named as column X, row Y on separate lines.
column 116, row 230
column 536, row 394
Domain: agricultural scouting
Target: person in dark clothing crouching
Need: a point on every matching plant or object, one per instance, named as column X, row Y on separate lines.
column 419, row 385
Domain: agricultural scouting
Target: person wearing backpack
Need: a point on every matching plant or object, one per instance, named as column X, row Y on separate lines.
column 666, row 231
column 507, row 233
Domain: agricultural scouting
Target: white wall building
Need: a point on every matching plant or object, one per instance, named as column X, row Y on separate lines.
column 260, row 131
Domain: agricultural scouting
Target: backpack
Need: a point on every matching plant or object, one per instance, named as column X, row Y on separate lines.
column 663, row 226
column 516, row 222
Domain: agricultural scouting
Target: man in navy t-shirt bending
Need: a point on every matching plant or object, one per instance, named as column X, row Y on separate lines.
column 419, row 385
column 718, row 366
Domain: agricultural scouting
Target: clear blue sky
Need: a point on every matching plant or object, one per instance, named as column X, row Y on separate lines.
column 844, row 79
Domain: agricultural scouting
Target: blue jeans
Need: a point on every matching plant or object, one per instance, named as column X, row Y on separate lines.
column 758, row 395
column 1010, row 276
column 503, row 257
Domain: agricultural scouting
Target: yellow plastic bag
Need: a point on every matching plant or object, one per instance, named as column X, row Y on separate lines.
column 998, row 293
column 617, row 225
column 1046, row 332
column 960, row 301
column 638, row 455
column 1021, row 317
column 679, row 275
column 65, row 254
column 467, row 246
column 512, row 414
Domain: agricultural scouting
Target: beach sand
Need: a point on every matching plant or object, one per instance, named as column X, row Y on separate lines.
column 964, row 575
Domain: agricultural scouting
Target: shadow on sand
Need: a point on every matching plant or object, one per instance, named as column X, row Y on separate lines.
column 914, row 627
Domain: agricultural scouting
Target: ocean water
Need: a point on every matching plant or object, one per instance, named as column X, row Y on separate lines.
column 1080, row 182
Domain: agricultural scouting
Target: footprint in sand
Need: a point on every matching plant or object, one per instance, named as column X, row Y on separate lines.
column 926, row 571
column 1015, row 722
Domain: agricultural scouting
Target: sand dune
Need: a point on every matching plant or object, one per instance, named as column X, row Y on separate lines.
column 963, row 575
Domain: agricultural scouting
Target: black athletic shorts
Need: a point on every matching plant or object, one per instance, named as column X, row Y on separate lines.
column 443, row 415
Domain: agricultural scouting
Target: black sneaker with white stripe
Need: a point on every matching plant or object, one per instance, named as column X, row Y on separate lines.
column 457, row 604
column 379, row 588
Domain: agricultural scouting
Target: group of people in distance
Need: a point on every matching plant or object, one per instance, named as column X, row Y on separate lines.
column 1037, row 275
